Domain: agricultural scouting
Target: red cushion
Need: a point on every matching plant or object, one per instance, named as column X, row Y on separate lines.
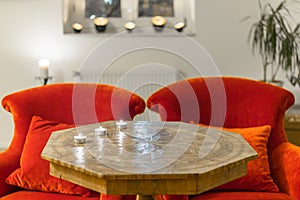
column 258, row 177
column 34, row 171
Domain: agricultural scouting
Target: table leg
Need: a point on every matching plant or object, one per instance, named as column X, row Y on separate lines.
column 144, row 197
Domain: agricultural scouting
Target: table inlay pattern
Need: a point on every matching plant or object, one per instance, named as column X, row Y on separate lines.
column 161, row 152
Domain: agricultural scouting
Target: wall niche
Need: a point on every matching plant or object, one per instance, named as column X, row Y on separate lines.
column 150, row 17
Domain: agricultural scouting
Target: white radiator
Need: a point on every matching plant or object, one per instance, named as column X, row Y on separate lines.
column 143, row 84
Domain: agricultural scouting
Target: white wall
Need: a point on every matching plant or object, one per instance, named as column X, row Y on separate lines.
column 32, row 29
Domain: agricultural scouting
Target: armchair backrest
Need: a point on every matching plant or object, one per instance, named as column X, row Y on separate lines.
column 70, row 103
column 225, row 101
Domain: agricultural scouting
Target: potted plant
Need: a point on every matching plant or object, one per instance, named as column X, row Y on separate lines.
column 273, row 38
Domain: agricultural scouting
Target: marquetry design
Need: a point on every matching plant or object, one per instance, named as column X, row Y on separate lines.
column 148, row 157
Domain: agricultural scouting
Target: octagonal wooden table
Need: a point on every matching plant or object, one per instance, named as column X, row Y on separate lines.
column 148, row 158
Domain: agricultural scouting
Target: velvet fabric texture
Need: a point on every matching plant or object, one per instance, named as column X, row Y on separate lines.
column 34, row 171
column 35, row 195
column 225, row 102
column 245, row 195
column 258, row 177
column 229, row 195
column 68, row 103
column 284, row 163
column 117, row 197
column 235, row 103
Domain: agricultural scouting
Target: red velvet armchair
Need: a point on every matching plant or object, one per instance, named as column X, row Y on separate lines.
column 63, row 105
column 237, row 104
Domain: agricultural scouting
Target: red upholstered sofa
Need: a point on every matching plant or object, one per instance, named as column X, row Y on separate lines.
column 255, row 108
column 252, row 108
column 38, row 111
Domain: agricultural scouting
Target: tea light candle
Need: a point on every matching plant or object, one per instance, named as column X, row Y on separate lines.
column 179, row 26
column 80, row 139
column 121, row 124
column 129, row 26
column 100, row 23
column 77, row 27
column 159, row 21
column 100, row 131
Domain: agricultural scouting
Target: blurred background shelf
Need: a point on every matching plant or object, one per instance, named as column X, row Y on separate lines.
column 292, row 124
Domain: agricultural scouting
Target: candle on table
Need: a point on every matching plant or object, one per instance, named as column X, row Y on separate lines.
column 121, row 124
column 80, row 139
column 100, row 131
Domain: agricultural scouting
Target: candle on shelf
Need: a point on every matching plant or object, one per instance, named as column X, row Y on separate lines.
column 77, row 27
column 100, row 131
column 100, row 23
column 158, row 22
column 179, row 26
column 44, row 68
column 121, row 124
column 129, row 26
column 80, row 139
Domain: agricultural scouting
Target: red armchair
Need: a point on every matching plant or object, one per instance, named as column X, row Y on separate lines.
column 236, row 103
column 69, row 103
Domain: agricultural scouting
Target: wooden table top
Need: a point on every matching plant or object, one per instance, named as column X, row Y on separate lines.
column 148, row 158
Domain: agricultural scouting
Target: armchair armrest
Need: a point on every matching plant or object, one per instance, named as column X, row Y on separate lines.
column 285, row 168
column 9, row 162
